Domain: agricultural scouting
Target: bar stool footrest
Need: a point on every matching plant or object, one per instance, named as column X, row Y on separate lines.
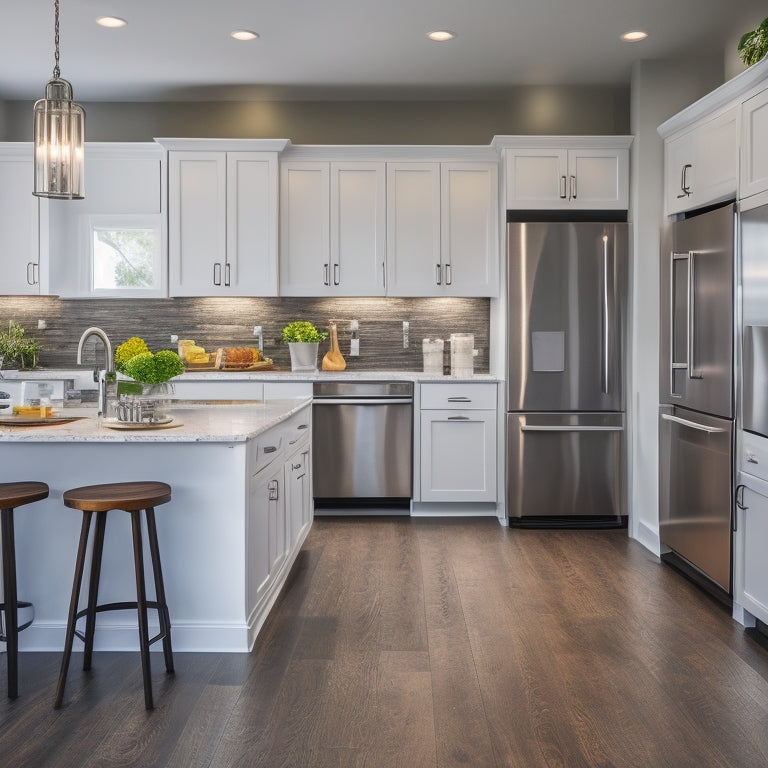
column 127, row 607
column 21, row 604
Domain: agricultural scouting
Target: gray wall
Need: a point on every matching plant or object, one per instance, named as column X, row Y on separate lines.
column 223, row 322
column 599, row 110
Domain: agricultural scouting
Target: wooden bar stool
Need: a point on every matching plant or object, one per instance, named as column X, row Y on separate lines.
column 131, row 498
column 14, row 495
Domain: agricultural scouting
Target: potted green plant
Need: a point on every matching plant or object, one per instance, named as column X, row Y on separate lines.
column 753, row 45
column 303, row 340
column 16, row 349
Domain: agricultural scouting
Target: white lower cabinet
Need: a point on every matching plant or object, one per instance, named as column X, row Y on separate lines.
column 750, row 546
column 458, row 443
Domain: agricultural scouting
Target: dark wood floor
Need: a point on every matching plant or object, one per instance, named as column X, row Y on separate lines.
column 426, row 643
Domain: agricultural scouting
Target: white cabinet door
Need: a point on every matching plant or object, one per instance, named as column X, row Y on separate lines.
column 222, row 211
column 702, row 165
column 19, row 223
column 458, row 455
column 252, row 223
column 305, row 204
column 197, row 229
column 754, row 145
column 470, row 229
column 298, row 499
column 414, row 265
column 751, row 544
column 537, row 178
column 557, row 177
column 358, row 229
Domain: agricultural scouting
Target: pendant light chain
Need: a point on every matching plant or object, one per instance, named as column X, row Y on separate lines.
column 56, row 70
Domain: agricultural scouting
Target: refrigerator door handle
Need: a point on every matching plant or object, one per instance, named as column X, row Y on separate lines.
column 673, row 366
column 569, row 428
column 606, row 318
column 692, row 374
column 692, row 424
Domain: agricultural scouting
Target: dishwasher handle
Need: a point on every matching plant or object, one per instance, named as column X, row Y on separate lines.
column 362, row 401
column 569, row 428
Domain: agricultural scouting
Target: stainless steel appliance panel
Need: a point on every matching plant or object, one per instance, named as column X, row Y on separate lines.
column 697, row 321
column 696, row 489
column 565, row 464
column 566, row 316
column 362, row 440
column 754, row 301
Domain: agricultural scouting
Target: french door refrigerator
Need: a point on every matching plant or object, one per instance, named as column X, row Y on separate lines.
column 566, row 298
column 696, row 414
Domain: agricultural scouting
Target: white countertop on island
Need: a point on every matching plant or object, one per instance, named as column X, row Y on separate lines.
column 196, row 423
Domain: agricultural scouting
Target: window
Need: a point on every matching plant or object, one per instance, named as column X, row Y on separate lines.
column 125, row 255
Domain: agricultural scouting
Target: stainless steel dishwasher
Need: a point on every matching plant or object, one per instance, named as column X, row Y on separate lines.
column 362, row 444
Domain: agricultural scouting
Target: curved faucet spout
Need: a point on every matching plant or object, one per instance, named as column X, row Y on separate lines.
column 93, row 331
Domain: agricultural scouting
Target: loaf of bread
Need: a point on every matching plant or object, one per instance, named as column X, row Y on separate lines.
column 241, row 355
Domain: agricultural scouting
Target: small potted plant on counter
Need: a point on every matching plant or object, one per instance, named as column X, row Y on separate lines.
column 303, row 340
column 16, row 349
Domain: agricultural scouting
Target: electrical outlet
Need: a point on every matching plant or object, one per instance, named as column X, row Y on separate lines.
column 354, row 347
column 406, row 326
column 174, row 338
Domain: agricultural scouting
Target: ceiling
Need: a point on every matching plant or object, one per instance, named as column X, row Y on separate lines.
column 373, row 49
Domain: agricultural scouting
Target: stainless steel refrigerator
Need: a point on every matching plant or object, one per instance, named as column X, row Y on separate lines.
column 566, row 298
column 696, row 415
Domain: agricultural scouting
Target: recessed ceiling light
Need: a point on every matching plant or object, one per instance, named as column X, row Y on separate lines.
column 441, row 35
column 634, row 36
column 112, row 22
column 244, row 34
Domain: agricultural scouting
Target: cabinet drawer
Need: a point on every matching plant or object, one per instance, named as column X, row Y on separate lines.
column 296, row 428
column 463, row 396
column 753, row 455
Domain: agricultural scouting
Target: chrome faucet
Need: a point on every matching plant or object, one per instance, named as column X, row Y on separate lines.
column 102, row 377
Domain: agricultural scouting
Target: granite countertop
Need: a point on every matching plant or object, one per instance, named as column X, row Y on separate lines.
column 196, row 423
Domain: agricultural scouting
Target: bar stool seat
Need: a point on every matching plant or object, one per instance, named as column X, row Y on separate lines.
column 13, row 495
column 132, row 497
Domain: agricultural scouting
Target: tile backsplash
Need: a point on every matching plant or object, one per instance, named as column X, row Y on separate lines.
column 216, row 322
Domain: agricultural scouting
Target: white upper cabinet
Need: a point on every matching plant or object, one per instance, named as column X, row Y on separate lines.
column 701, row 164
column 754, row 145
column 442, row 229
column 332, row 228
column 222, row 213
column 551, row 173
column 112, row 243
column 19, row 222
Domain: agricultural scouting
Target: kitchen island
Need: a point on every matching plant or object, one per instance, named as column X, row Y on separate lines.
column 241, row 508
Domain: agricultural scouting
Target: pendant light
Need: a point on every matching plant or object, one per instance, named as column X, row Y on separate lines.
column 58, row 136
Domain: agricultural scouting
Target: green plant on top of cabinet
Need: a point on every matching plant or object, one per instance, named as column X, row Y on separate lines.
column 332, row 228
column 442, row 229
column 222, row 231
column 19, row 222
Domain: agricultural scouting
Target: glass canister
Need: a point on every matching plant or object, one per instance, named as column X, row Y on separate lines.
column 462, row 355
column 432, row 349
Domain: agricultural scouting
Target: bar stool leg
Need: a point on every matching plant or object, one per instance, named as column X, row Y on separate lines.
column 165, row 619
column 141, row 600
column 93, row 587
column 78, row 580
column 11, row 602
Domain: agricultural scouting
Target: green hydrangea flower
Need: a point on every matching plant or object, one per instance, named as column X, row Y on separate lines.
column 154, row 368
column 127, row 350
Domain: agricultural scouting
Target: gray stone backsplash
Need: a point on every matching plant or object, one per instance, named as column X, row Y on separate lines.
column 218, row 322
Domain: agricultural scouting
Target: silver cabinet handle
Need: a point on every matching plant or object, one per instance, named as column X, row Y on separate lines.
column 32, row 267
column 739, row 505
column 569, row 428
column 448, row 275
column 752, row 459
column 563, row 182
column 383, row 275
column 684, row 186
column 606, row 318
column 438, row 274
column 217, row 273
column 270, row 449
column 458, row 418
column 692, row 424
column 226, row 274
column 303, row 426
column 326, row 275
column 336, row 274
column 274, row 490
column 459, row 399
column 573, row 187
column 296, row 466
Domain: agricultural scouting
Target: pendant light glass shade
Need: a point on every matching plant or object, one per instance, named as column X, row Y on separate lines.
column 59, row 132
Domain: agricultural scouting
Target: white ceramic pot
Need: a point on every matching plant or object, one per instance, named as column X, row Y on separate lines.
column 303, row 355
